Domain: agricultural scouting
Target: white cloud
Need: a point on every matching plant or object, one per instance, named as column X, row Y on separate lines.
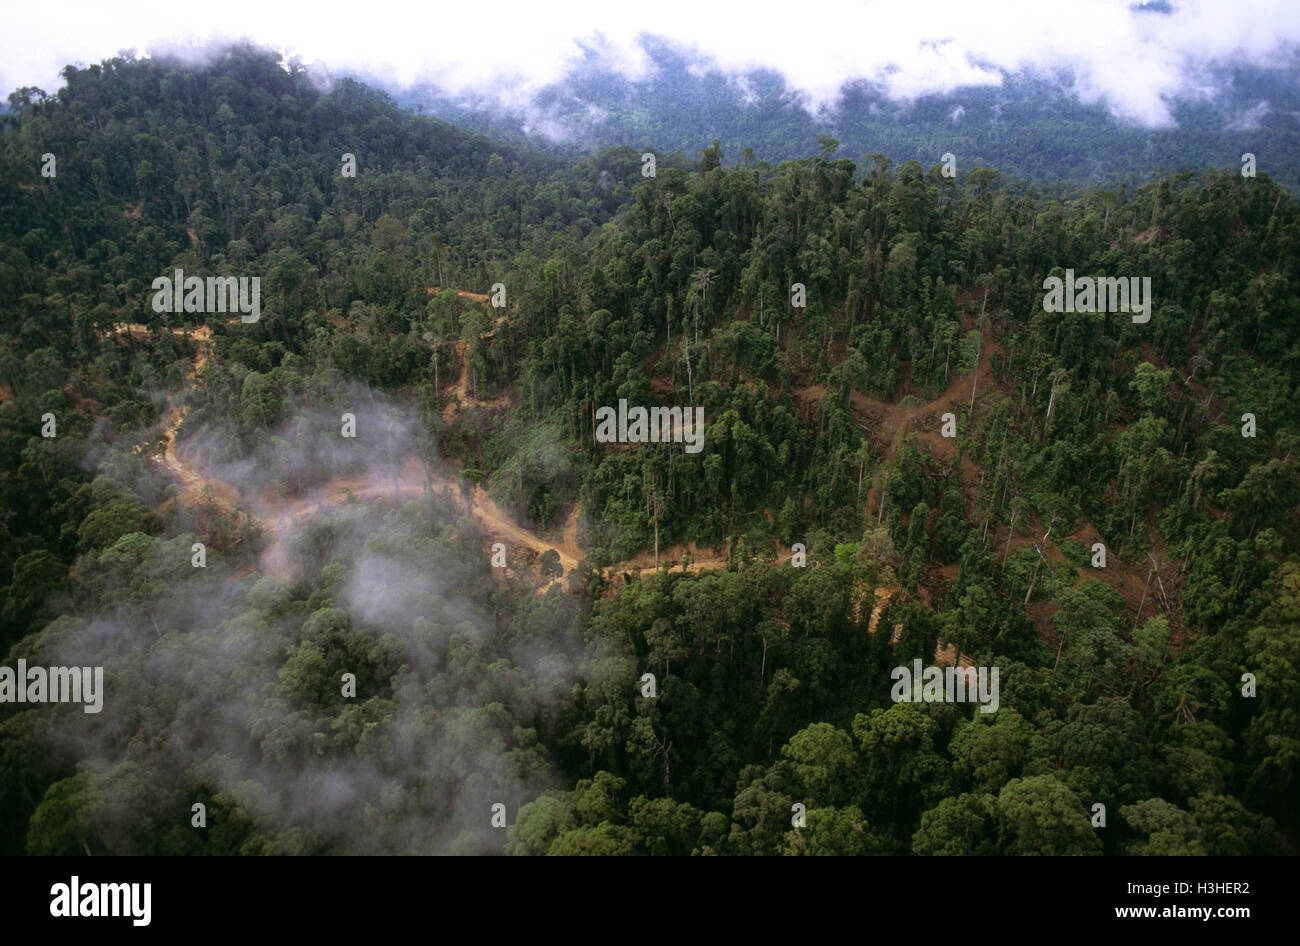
column 1133, row 62
column 1252, row 119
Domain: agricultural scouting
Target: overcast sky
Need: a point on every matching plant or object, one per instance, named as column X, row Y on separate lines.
column 1135, row 62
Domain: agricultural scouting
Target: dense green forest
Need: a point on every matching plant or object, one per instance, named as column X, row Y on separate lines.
column 476, row 686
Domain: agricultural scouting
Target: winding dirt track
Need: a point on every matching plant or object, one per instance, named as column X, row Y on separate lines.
column 282, row 517
column 191, row 479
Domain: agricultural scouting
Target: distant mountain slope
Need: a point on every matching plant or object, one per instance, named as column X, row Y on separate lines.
column 1028, row 126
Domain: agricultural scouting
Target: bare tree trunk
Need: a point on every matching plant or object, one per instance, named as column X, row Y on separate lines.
column 1010, row 531
column 1145, row 588
column 1164, row 598
column 979, row 347
column 1033, row 577
column 655, row 500
column 668, row 784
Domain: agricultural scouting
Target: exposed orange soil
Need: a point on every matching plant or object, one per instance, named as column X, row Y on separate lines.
column 892, row 419
column 569, row 534
column 944, row 656
column 463, row 294
column 882, row 601
column 671, row 556
column 141, row 333
column 282, row 516
column 463, row 400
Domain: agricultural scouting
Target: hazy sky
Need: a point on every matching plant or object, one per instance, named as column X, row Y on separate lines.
column 1133, row 61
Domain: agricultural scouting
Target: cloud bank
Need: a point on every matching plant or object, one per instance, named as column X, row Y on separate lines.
column 1135, row 59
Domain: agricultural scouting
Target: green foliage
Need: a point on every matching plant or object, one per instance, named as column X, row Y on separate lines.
column 1122, row 683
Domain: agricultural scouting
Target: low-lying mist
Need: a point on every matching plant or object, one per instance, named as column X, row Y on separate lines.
column 227, row 687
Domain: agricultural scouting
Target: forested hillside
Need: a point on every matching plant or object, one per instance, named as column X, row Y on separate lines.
column 471, row 305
